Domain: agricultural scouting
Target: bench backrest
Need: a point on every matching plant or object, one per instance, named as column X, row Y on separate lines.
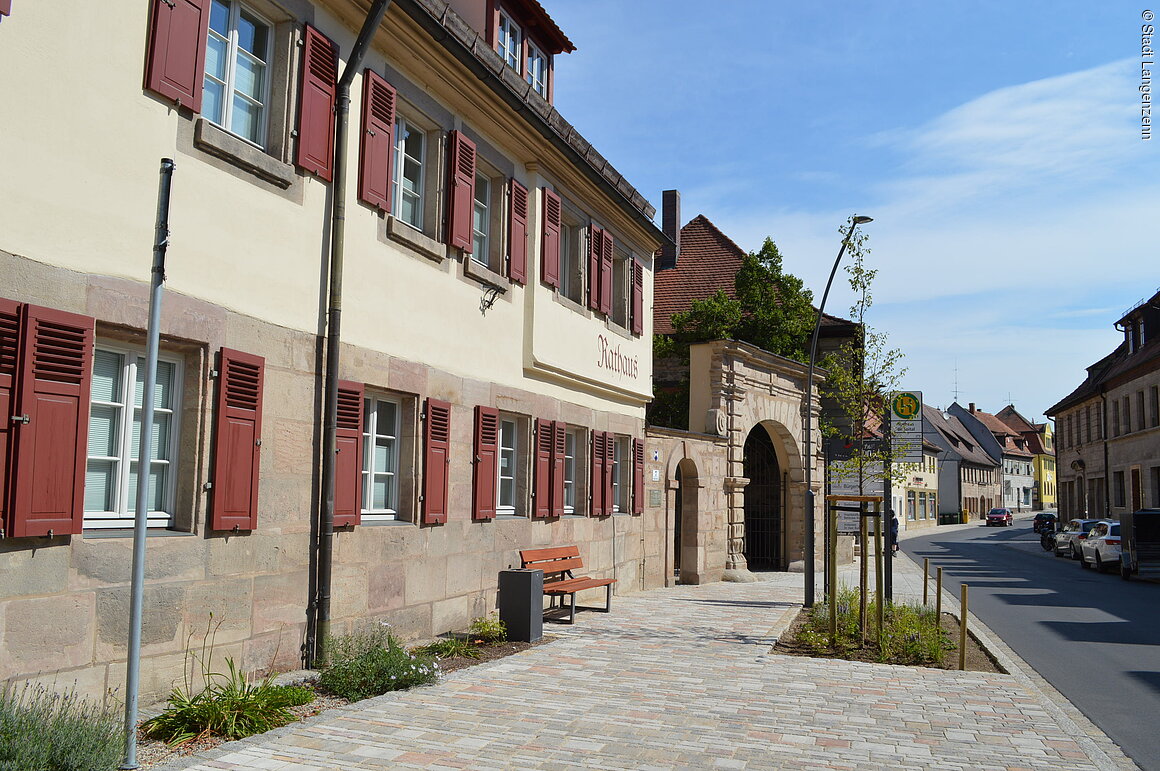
column 555, row 561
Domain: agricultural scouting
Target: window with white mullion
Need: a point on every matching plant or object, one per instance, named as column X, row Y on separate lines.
column 616, row 468
column 537, row 71
column 380, row 484
column 506, row 468
column 115, row 436
column 570, row 473
column 407, row 176
column 236, row 85
column 481, row 221
column 509, row 42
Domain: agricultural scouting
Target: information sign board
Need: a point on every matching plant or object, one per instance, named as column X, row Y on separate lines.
column 906, row 426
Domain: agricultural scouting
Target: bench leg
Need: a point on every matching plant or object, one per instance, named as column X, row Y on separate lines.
column 571, row 608
column 608, row 598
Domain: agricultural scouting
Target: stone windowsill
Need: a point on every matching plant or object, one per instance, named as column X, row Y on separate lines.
column 484, row 274
column 220, row 143
column 421, row 243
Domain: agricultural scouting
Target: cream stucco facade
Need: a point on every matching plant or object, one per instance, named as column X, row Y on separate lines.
column 247, row 270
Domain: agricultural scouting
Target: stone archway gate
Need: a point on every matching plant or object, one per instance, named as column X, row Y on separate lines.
column 733, row 387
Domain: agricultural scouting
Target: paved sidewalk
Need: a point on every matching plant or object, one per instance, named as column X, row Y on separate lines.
column 683, row 678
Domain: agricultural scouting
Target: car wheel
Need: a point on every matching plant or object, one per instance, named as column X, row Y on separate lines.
column 1099, row 564
column 1075, row 555
column 1083, row 563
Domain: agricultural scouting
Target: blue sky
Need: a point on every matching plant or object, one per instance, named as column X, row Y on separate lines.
column 996, row 144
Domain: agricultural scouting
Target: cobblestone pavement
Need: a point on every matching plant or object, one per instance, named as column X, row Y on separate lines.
column 683, row 678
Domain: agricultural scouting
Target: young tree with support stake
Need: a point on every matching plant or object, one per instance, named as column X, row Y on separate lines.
column 859, row 376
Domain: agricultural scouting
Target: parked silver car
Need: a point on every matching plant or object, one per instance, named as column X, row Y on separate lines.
column 1102, row 546
column 1073, row 534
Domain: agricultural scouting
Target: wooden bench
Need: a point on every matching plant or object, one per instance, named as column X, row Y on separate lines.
column 558, row 564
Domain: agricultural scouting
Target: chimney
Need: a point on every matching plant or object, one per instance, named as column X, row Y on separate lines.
column 671, row 226
column 971, row 408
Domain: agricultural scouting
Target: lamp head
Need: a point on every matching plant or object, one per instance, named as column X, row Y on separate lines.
column 861, row 219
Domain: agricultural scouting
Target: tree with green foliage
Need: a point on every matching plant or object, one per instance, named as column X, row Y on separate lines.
column 771, row 309
column 859, row 375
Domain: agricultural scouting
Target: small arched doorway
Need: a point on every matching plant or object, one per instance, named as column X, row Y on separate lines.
column 685, row 505
column 764, row 540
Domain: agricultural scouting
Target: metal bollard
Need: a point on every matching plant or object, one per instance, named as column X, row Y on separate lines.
column 925, row 581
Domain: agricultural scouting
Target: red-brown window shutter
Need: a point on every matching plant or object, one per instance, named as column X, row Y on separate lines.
column 237, row 441
column 349, row 460
column 559, row 450
column 595, row 248
column 596, row 481
column 460, row 190
column 518, row 232
column 637, row 297
column 9, row 367
column 315, row 152
column 175, row 66
column 49, row 442
column 550, row 249
column 637, row 476
column 436, row 460
column 543, row 469
column 486, row 462
column 606, row 248
column 609, row 457
column 5, row 7
column 377, row 142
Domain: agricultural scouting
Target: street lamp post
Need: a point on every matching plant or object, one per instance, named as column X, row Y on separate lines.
column 855, row 220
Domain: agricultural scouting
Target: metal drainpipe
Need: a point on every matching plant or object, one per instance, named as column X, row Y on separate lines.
column 314, row 647
column 1107, row 468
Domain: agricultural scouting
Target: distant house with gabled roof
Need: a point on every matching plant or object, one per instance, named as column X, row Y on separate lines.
column 1006, row 447
column 1041, row 443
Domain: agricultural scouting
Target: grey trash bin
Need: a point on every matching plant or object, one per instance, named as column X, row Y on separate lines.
column 521, row 603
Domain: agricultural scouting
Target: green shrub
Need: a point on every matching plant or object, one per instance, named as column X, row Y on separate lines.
column 371, row 663
column 488, row 629
column 45, row 731
column 910, row 633
column 449, row 648
column 229, row 706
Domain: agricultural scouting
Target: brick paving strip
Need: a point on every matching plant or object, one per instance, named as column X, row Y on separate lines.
column 684, row 678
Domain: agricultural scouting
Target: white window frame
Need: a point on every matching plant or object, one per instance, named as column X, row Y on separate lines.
column 481, row 220
column 372, row 431
column 536, row 71
column 621, row 285
column 121, row 516
column 573, row 255
column 403, row 128
column 619, row 483
column 509, row 42
column 509, row 449
column 229, row 85
column 572, row 440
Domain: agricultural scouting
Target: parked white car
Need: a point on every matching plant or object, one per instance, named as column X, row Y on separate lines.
column 1102, row 546
column 1074, row 533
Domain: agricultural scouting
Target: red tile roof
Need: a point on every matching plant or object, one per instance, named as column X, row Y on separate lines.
column 709, row 261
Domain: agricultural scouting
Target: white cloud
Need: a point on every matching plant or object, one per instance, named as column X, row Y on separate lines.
column 1011, row 238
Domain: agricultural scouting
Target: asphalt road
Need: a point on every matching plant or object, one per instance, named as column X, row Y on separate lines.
column 1095, row 637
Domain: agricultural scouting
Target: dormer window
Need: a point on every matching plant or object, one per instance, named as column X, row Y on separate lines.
column 537, row 70
column 526, row 39
column 509, row 42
